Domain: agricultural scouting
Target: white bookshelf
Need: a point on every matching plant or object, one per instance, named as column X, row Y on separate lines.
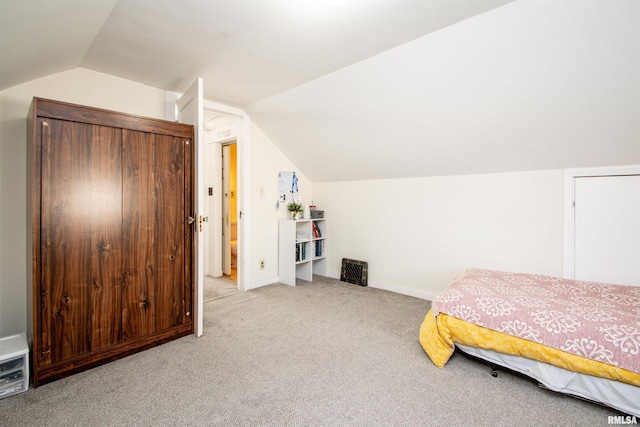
column 301, row 253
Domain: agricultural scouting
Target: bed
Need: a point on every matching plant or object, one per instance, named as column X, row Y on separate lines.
column 574, row 337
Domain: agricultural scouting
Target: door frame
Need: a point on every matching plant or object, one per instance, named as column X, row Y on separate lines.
column 243, row 178
column 568, row 239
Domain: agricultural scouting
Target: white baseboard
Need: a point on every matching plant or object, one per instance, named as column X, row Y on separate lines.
column 416, row 293
column 261, row 283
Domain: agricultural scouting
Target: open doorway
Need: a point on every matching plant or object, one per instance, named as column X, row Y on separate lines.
column 191, row 107
column 221, row 237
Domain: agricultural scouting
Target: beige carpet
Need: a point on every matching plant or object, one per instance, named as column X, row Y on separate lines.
column 218, row 287
column 324, row 353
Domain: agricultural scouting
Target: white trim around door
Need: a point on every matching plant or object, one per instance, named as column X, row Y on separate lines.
column 570, row 175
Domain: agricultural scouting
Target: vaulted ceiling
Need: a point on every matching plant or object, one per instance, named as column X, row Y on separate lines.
column 365, row 89
column 245, row 50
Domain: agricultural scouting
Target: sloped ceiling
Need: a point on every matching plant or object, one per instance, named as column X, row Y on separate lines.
column 245, row 50
column 364, row 89
column 529, row 86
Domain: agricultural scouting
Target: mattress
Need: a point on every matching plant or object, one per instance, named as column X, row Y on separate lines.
column 585, row 328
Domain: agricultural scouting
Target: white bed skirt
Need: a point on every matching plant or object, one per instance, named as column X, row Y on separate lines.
column 621, row 396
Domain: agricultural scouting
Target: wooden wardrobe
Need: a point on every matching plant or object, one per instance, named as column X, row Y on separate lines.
column 111, row 247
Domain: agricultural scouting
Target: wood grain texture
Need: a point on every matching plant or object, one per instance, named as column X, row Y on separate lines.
column 105, row 211
column 170, row 217
column 111, row 251
column 154, row 212
column 81, row 363
column 34, row 155
column 139, row 200
column 65, row 111
column 41, row 282
column 188, row 289
column 81, row 227
column 66, row 228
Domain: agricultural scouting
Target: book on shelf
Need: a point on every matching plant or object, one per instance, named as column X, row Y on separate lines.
column 316, row 229
column 301, row 250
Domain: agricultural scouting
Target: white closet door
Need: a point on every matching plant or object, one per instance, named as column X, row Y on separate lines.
column 607, row 229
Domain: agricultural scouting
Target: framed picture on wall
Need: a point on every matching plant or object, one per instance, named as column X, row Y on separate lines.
column 288, row 187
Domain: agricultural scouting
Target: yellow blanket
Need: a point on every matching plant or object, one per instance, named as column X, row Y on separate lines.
column 438, row 335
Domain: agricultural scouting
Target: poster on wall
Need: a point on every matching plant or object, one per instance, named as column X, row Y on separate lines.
column 288, row 187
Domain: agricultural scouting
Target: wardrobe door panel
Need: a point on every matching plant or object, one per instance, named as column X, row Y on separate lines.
column 138, row 204
column 106, row 237
column 80, row 229
column 153, row 233
column 170, row 220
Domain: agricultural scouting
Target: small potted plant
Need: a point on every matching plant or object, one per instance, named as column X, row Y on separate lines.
column 295, row 208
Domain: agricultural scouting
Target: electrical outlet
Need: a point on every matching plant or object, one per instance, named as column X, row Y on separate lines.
column 261, row 264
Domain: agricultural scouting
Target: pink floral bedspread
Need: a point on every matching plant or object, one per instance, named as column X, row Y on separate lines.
column 596, row 321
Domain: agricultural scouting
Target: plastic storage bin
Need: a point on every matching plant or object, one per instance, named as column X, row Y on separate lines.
column 14, row 365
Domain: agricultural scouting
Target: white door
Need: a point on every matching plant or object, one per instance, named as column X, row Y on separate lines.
column 607, row 229
column 190, row 109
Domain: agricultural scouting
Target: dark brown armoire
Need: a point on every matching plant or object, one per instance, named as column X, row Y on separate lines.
column 111, row 248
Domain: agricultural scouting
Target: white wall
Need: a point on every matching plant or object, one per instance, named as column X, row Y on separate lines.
column 266, row 161
column 418, row 234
